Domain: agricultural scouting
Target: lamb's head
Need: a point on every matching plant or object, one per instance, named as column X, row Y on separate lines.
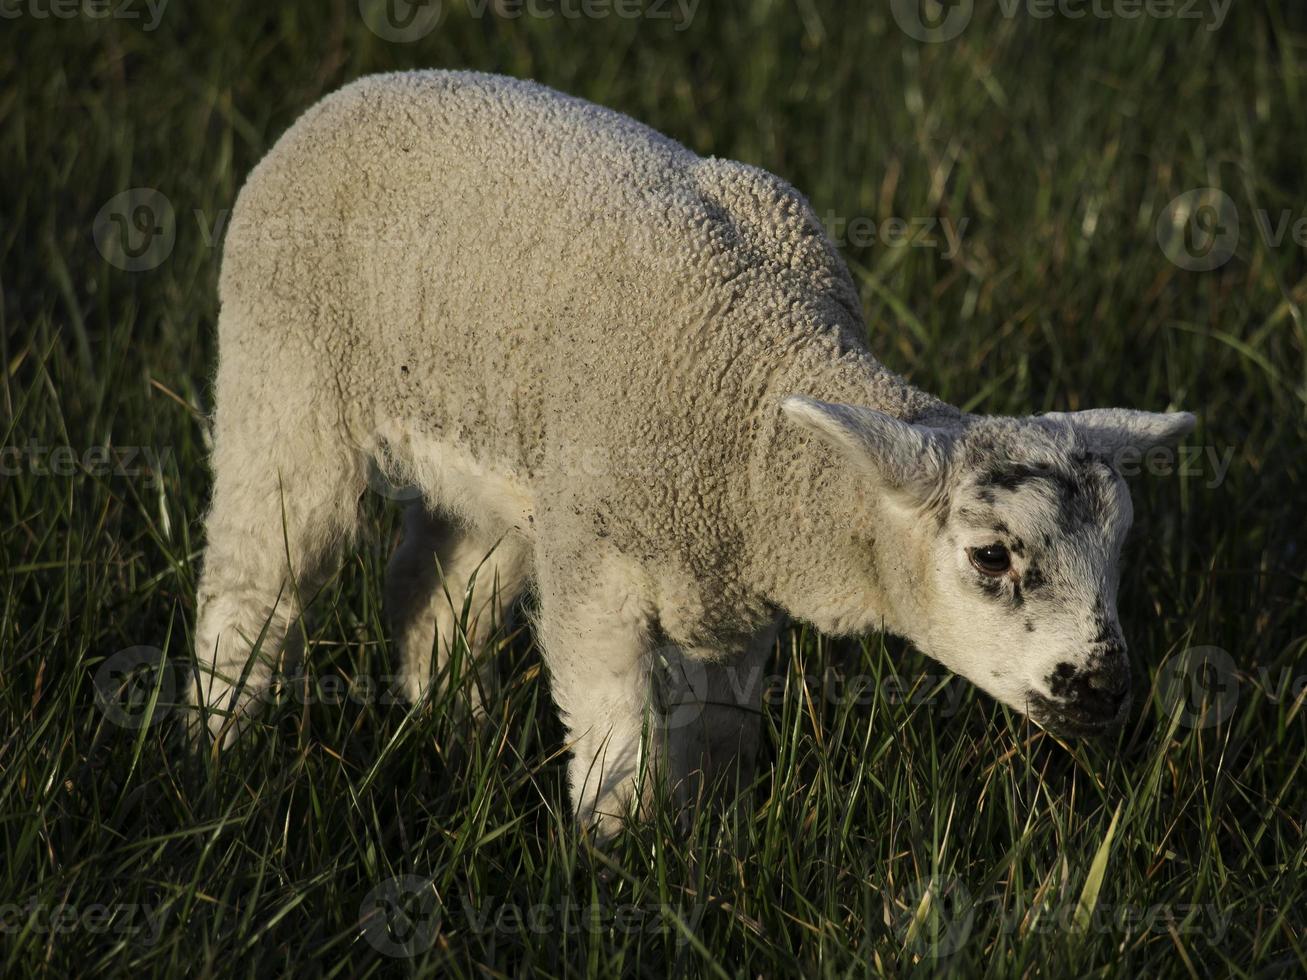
column 996, row 544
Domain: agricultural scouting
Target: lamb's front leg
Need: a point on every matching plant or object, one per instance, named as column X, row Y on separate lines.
column 594, row 628
column 711, row 714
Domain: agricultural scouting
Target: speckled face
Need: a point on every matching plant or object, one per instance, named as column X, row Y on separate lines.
column 1027, row 560
column 1004, row 545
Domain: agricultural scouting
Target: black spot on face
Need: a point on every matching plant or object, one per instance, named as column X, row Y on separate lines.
column 1034, row 577
column 1104, row 632
column 1097, row 695
column 1078, row 494
column 1096, row 488
column 1010, row 478
column 1062, row 681
column 1108, row 644
column 1030, row 626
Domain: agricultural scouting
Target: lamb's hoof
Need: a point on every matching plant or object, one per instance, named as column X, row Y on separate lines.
column 601, row 828
column 210, row 730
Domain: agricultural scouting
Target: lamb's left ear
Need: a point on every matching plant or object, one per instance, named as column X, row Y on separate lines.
column 901, row 455
column 1110, row 430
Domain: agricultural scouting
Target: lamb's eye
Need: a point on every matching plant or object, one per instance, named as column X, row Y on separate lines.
column 991, row 560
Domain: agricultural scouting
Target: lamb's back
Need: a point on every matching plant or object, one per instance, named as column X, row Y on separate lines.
column 541, row 280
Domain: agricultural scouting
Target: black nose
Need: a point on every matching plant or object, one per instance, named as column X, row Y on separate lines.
column 1110, row 681
column 1097, row 696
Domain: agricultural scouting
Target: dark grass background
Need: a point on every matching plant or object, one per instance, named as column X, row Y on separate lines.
column 891, row 832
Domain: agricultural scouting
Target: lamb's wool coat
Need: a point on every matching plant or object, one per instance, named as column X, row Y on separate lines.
column 574, row 335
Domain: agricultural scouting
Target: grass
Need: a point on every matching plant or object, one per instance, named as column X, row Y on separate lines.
column 903, row 823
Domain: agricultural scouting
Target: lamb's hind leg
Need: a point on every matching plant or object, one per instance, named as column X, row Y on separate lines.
column 284, row 499
column 448, row 582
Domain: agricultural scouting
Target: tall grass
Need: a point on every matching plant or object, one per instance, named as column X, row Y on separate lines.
column 902, row 823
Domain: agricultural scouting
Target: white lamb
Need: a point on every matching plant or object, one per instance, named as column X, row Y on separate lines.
column 637, row 380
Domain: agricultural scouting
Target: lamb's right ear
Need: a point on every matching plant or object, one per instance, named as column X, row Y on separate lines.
column 902, row 455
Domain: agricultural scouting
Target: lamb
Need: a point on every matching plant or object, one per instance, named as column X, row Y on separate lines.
column 636, row 381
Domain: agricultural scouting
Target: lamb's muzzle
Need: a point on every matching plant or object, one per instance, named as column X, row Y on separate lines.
column 1093, row 701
